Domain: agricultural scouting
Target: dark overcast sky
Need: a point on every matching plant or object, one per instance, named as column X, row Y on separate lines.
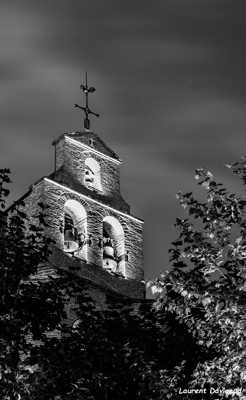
column 171, row 91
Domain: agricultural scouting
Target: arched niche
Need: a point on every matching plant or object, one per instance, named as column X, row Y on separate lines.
column 75, row 229
column 114, row 255
column 92, row 174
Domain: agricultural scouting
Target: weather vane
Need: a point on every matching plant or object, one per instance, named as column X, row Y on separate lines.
column 86, row 109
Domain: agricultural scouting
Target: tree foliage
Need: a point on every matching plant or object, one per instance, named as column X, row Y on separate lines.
column 122, row 351
column 113, row 354
column 193, row 337
column 28, row 309
column 206, row 287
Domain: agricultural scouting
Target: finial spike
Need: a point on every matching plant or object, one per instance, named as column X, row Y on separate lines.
column 86, row 90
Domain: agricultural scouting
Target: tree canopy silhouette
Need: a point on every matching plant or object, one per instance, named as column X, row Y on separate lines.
column 205, row 289
column 125, row 350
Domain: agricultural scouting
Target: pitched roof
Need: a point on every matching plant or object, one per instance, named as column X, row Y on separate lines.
column 92, row 140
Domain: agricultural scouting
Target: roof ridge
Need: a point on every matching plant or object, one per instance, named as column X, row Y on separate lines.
column 80, row 135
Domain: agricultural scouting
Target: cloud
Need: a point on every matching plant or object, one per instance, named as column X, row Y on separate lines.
column 170, row 92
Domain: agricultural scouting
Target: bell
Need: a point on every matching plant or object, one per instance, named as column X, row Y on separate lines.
column 108, row 251
column 70, row 246
column 68, row 235
column 70, row 243
column 110, row 264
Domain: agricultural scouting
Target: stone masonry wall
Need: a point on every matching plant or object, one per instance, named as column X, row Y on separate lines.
column 59, row 149
column 73, row 157
column 102, row 281
column 56, row 197
column 31, row 201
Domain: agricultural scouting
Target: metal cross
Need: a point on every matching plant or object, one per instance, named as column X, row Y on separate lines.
column 86, row 109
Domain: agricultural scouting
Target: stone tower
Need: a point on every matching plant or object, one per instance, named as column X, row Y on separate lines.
column 94, row 232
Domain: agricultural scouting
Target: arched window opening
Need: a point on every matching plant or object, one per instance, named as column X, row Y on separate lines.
column 114, row 256
column 71, row 237
column 92, row 174
column 75, row 229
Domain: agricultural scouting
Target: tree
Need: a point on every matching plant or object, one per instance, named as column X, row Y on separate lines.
column 124, row 351
column 116, row 353
column 29, row 309
column 205, row 289
column 113, row 353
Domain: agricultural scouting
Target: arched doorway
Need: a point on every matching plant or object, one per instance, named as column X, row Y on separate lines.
column 75, row 229
column 92, row 174
column 113, row 245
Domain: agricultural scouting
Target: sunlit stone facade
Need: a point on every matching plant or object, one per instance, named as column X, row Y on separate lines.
column 88, row 219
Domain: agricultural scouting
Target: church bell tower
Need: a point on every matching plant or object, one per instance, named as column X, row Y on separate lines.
column 88, row 218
